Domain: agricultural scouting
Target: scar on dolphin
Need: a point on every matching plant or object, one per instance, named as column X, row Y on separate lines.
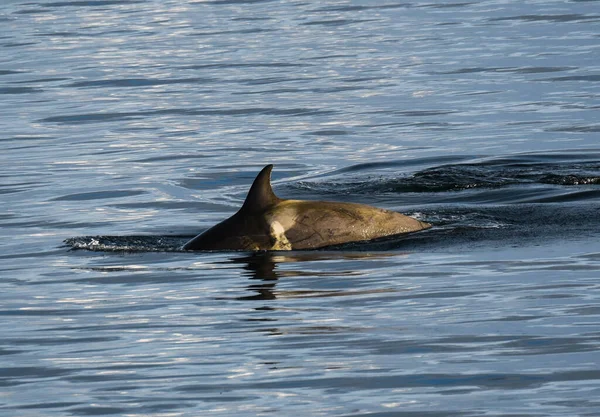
column 267, row 222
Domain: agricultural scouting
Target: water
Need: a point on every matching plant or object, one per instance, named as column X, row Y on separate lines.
column 128, row 127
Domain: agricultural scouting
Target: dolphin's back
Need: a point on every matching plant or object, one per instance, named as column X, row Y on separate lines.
column 267, row 222
column 314, row 224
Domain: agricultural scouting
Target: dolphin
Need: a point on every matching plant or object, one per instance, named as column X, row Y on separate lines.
column 267, row 222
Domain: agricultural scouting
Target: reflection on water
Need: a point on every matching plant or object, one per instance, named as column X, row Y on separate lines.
column 260, row 266
column 265, row 267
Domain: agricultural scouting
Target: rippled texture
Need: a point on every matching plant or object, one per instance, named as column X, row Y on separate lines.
column 129, row 126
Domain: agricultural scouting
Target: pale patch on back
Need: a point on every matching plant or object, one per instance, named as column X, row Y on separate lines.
column 279, row 240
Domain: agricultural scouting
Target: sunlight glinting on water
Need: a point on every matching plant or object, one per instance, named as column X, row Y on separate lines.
column 130, row 127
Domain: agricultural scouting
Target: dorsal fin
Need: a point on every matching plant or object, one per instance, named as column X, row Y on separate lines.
column 261, row 195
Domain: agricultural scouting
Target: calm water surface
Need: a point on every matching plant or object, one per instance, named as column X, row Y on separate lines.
column 127, row 127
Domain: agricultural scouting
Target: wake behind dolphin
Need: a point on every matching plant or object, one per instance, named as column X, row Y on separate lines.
column 267, row 222
column 476, row 203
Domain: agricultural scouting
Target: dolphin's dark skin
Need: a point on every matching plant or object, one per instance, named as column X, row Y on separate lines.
column 267, row 222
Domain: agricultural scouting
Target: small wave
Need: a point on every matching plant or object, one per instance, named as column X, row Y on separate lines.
column 88, row 3
column 127, row 243
column 20, row 90
column 139, row 82
column 99, row 195
column 549, row 169
column 551, row 18
column 83, row 118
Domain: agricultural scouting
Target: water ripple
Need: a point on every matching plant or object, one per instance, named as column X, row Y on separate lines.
column 129, row 126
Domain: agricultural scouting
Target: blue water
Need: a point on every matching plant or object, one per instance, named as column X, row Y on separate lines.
column 127, row 127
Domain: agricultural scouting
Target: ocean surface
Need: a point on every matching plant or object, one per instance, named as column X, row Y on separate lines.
column 127, row 127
